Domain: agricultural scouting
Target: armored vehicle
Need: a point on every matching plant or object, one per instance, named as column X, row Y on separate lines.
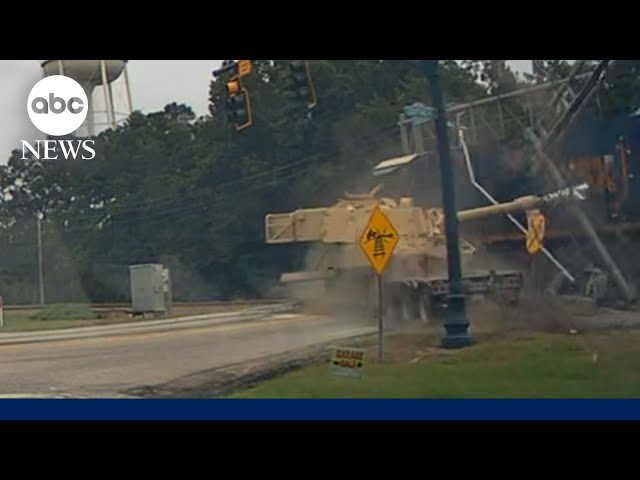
column 415, row 281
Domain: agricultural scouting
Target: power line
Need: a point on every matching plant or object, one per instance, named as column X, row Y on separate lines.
column 374, row 141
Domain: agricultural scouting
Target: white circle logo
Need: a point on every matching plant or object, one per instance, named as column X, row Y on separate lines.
column 57, row 105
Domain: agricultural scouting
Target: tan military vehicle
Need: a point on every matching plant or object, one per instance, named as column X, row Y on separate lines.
column 415, row 280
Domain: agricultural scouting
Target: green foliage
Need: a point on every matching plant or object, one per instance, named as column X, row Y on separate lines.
column 621, row 93
column 535, row 366
column 65, row 312
column 549, row 70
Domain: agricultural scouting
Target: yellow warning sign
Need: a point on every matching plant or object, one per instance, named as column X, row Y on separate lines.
column 379, row 239
column 535, row 234
column 347, row 361
column 244, row 67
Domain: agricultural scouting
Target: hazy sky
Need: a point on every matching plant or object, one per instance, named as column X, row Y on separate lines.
column 154, row 83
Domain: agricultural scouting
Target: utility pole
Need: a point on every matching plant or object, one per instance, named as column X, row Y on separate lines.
column 40, row 275
column 455, row 319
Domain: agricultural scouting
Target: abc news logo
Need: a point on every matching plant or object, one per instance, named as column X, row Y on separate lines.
column 57, row 106
column 40, row 105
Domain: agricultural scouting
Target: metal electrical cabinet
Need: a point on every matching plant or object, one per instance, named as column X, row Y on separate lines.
column 150, row 292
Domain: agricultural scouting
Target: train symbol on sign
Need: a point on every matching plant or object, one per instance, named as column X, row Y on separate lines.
column 379, row 239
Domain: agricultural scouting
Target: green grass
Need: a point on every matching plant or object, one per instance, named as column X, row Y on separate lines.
column 15, row 322
column 535, row 365
column 63, row 316
column 51, row 318
column 65, row 312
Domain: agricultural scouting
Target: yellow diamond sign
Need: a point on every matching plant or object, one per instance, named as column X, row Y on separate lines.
column 378, row 240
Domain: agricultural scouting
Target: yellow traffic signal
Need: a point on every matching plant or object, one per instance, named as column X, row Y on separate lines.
column 239, row 104
column 234, row 87
column 244, row 67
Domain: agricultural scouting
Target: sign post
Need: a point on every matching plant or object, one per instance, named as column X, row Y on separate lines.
column 380, row 323
column 378, row 241
column 1, row 312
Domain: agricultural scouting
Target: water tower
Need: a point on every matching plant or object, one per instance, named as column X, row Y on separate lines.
column 105, row 112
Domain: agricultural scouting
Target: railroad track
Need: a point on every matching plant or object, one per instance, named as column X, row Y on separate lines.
column 247, row 314
column 127, row 306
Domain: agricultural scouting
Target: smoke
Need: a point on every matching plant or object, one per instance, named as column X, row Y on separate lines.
column 347, row 296
column 346, row 293
column 63, row 282
column 186, row 283
column 113, row 283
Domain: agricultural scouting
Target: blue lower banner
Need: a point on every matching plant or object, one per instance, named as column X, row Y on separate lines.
column 317, row 409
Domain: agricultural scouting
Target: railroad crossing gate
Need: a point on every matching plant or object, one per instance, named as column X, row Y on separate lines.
column 536, row 231
column 379, row 239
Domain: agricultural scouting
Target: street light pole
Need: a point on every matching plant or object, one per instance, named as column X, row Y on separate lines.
column 40, row 274
column 455, row 321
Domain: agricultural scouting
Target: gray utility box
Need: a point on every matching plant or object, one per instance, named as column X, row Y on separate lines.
column 149, row 288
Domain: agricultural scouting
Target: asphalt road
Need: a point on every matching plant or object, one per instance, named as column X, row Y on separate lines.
column 104, row 367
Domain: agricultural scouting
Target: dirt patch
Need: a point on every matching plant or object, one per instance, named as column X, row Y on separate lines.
column 222, row 381
column 541, row 314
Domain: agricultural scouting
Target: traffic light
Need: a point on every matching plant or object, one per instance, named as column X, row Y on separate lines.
column 302, row 83
column 238, row 104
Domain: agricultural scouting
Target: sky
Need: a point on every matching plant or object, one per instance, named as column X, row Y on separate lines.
column 154, row 83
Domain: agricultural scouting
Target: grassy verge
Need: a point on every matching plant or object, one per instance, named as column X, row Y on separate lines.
column 51, row 318
column 533, row 365
column 23, row 321
column 57, row 317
